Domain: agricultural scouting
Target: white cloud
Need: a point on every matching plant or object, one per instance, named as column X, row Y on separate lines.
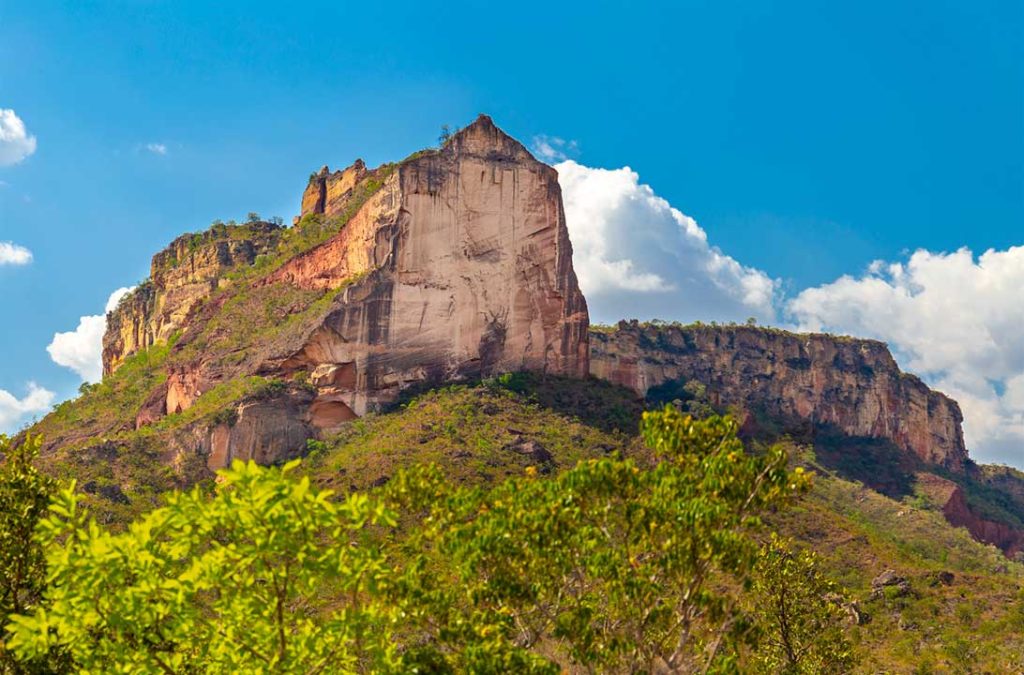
column 157, row 148
column 14, row 410
column 638, row 257
column 81, row 350
column 953, row 318
column 15, row 142
column 12, row 254
column 553, row 149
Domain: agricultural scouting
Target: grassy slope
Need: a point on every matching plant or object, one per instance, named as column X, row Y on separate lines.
column 472, row 432
column 973, row 624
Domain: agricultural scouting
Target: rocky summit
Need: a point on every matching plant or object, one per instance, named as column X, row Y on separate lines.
column 454, row 264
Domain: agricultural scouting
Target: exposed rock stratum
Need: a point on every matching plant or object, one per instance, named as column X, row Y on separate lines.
column 851, row 384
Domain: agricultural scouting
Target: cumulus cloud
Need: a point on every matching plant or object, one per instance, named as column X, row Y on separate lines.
column 14, row 410
column 638, row 257
column 553, row 149
column 81, row 350
column 953, row 318
column 157, row 148
column 15, row 142
column 12, row 254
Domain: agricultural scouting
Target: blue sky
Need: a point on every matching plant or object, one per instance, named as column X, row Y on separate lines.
column 807, row 139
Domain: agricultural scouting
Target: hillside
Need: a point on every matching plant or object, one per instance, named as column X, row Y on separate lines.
column 963, row 609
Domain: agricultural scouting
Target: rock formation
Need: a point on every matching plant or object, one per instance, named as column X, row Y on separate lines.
column 462, row 267
column 456, row 264
column 452, row 264
column 952, row 499
column 182, row 275
column 328, row 193
column 852, row 384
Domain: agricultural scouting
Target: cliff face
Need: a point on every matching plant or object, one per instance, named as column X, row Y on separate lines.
column 185, row 273
column 854, row 385
column 466, row 271
column 452, row 264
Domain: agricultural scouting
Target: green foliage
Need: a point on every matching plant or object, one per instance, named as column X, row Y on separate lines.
column 97, row 412
column 799, row 611
column 606, row 566
column 216, row 585
column 472, row 432
column 689, row 396
column 24, row 496
column 593, row 401
column 609, row 565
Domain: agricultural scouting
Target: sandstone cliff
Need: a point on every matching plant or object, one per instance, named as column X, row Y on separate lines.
column 453, row 264
column 185, row 273
column 854, row 385
column 328, row 193
column 466, row 271
column 952, row 500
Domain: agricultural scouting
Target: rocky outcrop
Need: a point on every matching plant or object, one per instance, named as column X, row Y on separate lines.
column 264, row 431
column 1001, row 535
column 181, row 276
column 952, row 499
column 458, row 266
column 328, row 193
column 453, row 264
column 266, row 428
column 853, row 385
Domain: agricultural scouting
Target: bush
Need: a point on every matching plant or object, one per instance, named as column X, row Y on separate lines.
column 611, row 565
column 24, row 496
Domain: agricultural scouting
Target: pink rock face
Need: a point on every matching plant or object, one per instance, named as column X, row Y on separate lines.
column 183, row 388
column 462, row 268
column 453, row 264
column 852, row 384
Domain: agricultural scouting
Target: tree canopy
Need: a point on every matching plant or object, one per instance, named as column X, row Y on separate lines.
column 611, row 566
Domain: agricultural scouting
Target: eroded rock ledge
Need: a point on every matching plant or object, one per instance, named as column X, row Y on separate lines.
column 188, row 271
column 852, row 384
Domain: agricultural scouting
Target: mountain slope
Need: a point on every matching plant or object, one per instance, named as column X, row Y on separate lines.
column 963, row 612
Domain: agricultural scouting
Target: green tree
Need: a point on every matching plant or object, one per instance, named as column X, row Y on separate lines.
column 24, row 497
column 267, row 575
column 221, row 584
column 800, row 613
column 608, row 566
